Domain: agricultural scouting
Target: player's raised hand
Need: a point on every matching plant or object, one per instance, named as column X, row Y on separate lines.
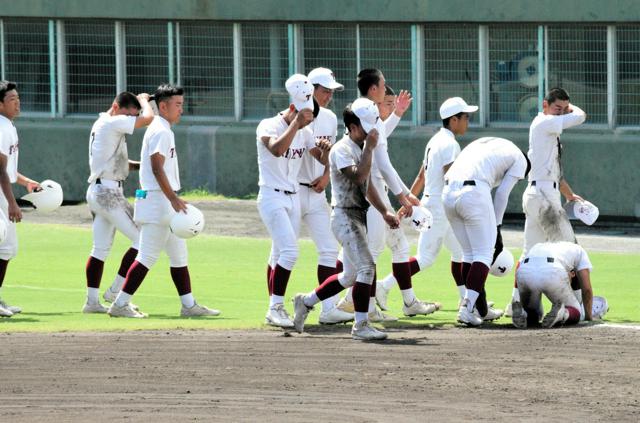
column 304, row 117
column 372, row 139
column 391, row 219
column 323, row 144
column 143, row 96
column 403, row 102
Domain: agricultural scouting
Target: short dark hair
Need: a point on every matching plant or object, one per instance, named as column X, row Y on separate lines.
column 126, row 100
column 367, row 78
column 166, row 91
column 445, row 122
column 5, row 87
column 349, row 117
column 556, row 94
column 388, row 91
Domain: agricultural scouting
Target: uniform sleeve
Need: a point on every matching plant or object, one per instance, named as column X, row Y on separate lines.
column 519, row 166
column 342, row 158
column 159, row 143
column 391, row 177
column 501, row 196
column 124, row 124
column 391, row 123
column 582, row 261
column 309, row 139
column 265, row 130
column 449, row 153
column 4, row 148
column 334, row 138
column 575, row 118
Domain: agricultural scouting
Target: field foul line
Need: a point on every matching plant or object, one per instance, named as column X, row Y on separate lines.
column 617, row 326
column 39, row 288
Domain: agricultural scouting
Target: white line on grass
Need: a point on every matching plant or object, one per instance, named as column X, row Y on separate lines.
column 616, row 326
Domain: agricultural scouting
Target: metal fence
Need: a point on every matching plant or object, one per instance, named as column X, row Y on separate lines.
column 236, row 71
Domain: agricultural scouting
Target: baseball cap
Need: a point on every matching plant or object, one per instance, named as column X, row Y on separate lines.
column 454, row 105
column 584, row 211
column 301, row 91
column 325, row 77
column 367, row 112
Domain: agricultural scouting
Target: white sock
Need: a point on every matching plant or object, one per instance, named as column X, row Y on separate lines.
column 93, row 295
column 389, row 281
column 275, row 299
column 187, row 300
column 472, row 296
column 361, row 317
column 328, row 305
column 117, row 284
column 312, row 299
column 515, row 294
column 372, row 304
column 122, row 299
column 462, row 290
column 408, row 296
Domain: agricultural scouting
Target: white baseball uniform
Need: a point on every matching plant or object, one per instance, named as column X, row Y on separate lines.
column 545, row 270
column 484, row 164
column 154, row 211
column 9, row 144
column 545, row 218
column 349, row 216
column 109, row 166
column 278, row 201
column 314, row 209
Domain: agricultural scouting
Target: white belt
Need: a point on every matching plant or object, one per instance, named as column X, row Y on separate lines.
column 109, row 183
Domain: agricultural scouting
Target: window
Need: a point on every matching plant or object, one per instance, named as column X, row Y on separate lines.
column 628, row 75
column 147, row 57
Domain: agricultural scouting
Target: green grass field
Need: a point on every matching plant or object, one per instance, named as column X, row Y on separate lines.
column 47, row 280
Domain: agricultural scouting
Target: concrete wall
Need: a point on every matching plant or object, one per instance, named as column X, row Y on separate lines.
column 599, row 164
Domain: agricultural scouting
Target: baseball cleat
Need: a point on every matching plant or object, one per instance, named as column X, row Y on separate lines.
column 518, row 315
column 345, row 305
column 363, row 331
column 508, row 310
column 378, row 316
column 381, row 296
column 334, row 316
column 125, row 311
column 110, row 297
column 492, row 314
column 12, row 309
column 5, row 313
column 278, row 316
column 557, row 314
column 418, row 307
column 198, row 310
column 300, row 312
column 94, row 308
column 466, row 317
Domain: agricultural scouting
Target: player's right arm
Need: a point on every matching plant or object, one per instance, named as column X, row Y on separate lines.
column 157, row 167
column 146, row 117
column 392, row 179
column 587, row 292
column 15, row 214
column 279, row 145
column 359, row 173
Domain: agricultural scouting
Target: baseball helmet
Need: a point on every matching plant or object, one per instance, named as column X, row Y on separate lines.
column 48, row 198
column 421, row 219
column 599, row 307
column 189, row 224
column 503, row 264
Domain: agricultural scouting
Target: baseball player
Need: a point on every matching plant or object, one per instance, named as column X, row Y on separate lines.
column 313, row 178
column 109, row 164
column 371, row 84
column 440, row 152
column 9, row 210
column 545, row 218
column 282, row 141
column 351, row 161
column 156, row 202
column 548, row 269
column 484, row 164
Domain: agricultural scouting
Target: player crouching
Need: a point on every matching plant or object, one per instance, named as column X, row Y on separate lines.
column 350, row 165
column 548, row 269
column 156, row 203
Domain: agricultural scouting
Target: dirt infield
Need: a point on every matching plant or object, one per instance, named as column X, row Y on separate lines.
column 434, row 373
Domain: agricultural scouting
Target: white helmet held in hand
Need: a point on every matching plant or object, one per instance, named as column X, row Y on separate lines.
column 503, row 264
column 189, row 224
column 46, row 199
column 421, row 219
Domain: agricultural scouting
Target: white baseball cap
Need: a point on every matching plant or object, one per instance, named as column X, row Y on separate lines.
column 367, row 112
column 584, row 211
column 454, row 105
column 301, row 91
column 325, row 77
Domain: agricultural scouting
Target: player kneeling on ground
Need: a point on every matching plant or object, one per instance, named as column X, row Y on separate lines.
column 156, row 203
column 548, row 269
column 350, row 164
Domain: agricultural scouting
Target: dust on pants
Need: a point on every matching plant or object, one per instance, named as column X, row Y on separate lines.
column 350, row 228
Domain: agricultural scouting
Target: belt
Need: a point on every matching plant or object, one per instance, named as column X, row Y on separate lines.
column 468, row 182
column 109, row 182
column 364, row 209
column 534, row 183
column 284, row 191
column 549, row 260
column 304, row 184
